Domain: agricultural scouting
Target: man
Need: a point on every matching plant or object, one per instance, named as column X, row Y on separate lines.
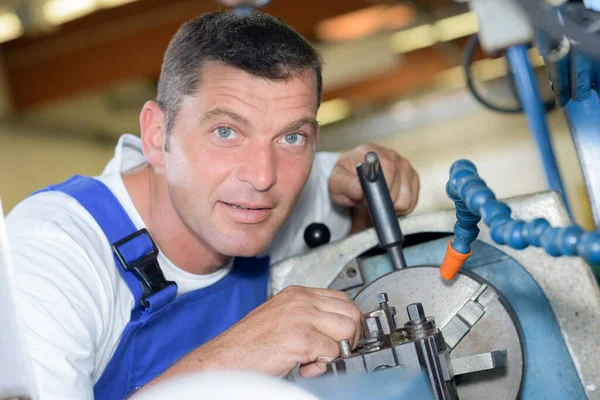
column 225, row 159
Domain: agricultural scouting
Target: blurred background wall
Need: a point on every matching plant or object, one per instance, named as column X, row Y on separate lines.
column 75, row 74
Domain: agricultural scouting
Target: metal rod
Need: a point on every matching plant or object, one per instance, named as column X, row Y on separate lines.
column 371, row 166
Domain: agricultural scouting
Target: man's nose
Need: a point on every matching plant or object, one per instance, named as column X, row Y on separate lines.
column 258, row 167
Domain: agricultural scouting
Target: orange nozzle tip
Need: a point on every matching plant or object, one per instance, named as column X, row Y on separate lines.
column 453, row 261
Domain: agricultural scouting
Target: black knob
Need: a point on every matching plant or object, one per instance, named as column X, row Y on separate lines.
column 316, row 234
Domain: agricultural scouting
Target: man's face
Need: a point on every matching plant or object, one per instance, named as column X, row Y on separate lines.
column 239, row 154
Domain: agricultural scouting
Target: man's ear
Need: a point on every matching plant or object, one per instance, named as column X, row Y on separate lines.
column 153, row 130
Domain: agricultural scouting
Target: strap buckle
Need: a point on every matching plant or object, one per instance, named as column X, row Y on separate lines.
column 145, row 268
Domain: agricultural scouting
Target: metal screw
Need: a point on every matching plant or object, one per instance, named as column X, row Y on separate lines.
column 415, row 312
column 382, row 299
column 344, row 346
column 373, row 327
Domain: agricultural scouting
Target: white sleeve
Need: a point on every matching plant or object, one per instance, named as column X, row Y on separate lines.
column 314, row 205
column 59, row 312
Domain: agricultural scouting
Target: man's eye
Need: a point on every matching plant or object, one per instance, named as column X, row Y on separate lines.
column 294, row 139
column 224, row 132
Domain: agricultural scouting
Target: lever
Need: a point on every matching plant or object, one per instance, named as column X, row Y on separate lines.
column 381, row 208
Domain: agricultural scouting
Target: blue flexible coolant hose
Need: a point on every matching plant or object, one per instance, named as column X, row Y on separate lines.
column 474, row 200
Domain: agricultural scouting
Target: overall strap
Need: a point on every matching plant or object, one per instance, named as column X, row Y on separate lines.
column 134, row 251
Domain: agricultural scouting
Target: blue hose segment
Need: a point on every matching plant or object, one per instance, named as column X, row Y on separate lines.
column 475, row 201
column 529, row 94
column 465, row 229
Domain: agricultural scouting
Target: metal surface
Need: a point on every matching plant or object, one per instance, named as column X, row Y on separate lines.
column 583, row 118
column 479, row 362
column 381, row 208
column 371, row 166
column 495, row 330
column 546, row 353
column 572, row 20
column 468, row 315
column 384, row 314
column 344, row 346
column 567, row 283
column 349, row 278
column 320, row 267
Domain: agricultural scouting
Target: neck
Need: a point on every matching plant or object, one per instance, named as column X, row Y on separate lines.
column 149, row 192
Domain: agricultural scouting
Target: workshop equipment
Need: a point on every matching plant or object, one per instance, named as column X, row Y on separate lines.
column 420, row 345
column 540, row 309
column 566, row 33
column 381, row 208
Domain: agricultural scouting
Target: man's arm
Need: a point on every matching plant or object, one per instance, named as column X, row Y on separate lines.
column 299, row 325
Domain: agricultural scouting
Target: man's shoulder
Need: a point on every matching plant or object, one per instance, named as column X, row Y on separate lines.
column 43, row 211
column 56, row 218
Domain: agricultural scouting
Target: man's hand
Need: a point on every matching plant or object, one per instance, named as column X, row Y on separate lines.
column 299, row 325
column 401, row 178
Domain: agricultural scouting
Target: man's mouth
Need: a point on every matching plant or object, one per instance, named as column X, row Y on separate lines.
column 248, row 206
column 247, row 213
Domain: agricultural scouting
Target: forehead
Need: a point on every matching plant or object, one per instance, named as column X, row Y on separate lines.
column 220, row 82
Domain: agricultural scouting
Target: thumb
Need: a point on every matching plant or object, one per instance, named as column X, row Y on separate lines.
column 313, row 370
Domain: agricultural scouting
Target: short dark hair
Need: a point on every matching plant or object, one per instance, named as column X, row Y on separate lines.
column 259, row 44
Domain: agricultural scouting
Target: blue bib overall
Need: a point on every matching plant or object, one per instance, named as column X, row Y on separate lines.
column 162, row 328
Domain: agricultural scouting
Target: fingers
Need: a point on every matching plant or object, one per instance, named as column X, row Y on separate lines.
column 406, row 196
column 331, row 312
column 323, row 350
column 402, row 180
column 393, row 175
column 344, row 187
column 347, row 310
column 416, row 187
column 336, row 294
column 334, row 304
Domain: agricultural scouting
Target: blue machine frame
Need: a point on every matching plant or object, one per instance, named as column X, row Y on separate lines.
column 575, row 80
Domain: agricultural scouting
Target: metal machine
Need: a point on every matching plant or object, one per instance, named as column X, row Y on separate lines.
column 514, row 322
column 520, row 319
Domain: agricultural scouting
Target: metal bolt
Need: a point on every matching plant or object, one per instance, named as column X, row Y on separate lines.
column 382, row 299
column 373, row 327
column 344, row 346
column 415, row 312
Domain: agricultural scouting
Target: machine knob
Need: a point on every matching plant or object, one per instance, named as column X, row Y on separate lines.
column 316, row 234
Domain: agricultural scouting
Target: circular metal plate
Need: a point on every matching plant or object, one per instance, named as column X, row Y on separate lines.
column 494, row 330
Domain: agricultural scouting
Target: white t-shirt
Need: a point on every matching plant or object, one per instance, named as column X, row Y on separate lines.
column 69, row 293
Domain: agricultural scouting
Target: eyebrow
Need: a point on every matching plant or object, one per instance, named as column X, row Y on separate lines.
column 301, row 122
column 219, row 112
